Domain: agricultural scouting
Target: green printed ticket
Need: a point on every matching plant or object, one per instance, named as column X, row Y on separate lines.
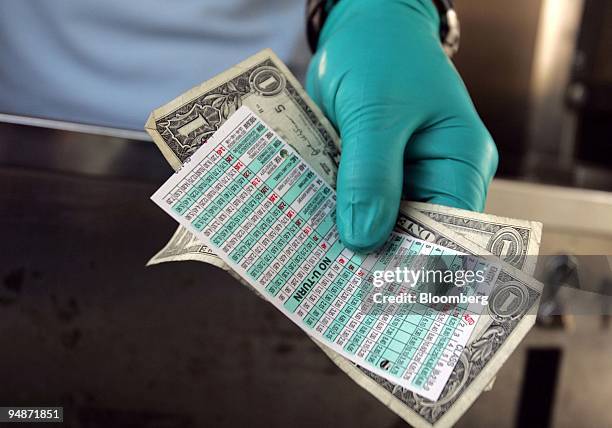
column 248, row 195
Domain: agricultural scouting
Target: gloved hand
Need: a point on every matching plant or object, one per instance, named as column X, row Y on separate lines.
column 407, row 123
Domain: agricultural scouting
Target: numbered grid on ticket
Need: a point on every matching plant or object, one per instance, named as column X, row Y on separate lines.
column 249, row 196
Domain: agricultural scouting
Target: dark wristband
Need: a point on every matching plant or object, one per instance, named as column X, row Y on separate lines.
column 316, row 15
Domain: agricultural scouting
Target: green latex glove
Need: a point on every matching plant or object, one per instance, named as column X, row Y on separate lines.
column 407, row 123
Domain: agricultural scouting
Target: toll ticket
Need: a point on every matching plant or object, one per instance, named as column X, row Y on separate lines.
column 249, row 195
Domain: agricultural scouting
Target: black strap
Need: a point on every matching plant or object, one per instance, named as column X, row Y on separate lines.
column 316, row 15
column 443, row 7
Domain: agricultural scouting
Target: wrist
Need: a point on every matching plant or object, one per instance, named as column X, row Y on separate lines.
column 323, row 16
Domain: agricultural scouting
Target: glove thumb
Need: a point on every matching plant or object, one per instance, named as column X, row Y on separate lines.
column 369, row 187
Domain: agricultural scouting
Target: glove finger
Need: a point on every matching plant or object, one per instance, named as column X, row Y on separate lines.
column 450, row 165
column 369, row 188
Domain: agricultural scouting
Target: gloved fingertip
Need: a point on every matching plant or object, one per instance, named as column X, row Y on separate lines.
column 365, row 227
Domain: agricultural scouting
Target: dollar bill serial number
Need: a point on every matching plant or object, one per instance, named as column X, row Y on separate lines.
column 31, row 414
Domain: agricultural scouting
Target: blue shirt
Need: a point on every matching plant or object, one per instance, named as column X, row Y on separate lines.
column 110, row 62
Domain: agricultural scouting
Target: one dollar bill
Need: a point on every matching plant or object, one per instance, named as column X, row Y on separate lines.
column 515, row 241
column 263, row 83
